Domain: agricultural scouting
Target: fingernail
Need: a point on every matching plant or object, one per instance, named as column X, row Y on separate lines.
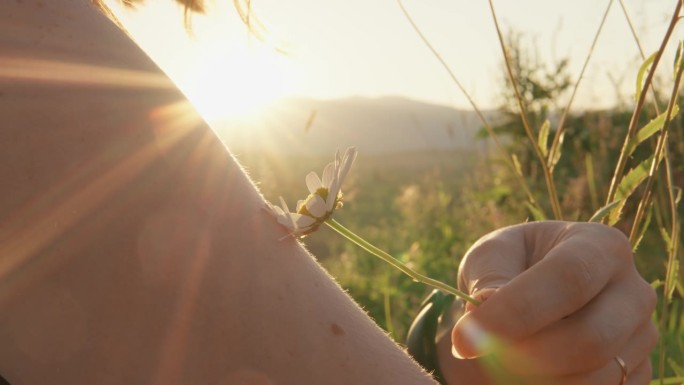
column 481, row 295
column 455, row 353
column 469, row 339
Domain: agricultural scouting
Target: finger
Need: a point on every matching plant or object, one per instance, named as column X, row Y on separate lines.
column 497, row 258
column 493, row 260
column 610, row 374
column 480, row 295
column 500, row 256
column 573, row 272
column 589, row 338
column 640, row 376
column 634, row 354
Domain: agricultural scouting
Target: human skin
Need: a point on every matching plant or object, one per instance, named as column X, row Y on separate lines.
column 134, row 249
column 564, row 299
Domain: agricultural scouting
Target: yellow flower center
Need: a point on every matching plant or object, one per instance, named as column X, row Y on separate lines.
column 322, row 192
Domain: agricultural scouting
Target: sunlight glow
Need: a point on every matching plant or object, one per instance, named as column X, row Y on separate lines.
column 345, row 53
column 223, row 69
column 228, row 81
column 50, row 71
column 31, row 229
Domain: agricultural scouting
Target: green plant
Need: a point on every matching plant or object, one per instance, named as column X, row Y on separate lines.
column 643, row 177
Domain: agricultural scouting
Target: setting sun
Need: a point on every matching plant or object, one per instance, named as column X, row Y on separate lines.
column 224, row 70
column 235, row 80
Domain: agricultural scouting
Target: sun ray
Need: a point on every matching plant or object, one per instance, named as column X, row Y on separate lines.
column 173, row 348
column 51, row 217
column 226, row 81
column 62, row 72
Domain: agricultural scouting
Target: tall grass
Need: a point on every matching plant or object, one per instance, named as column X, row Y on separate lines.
column 622, row 167
column 649, row 185
column 641, row 189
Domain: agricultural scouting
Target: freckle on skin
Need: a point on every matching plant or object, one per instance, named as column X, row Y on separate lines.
column 337, row 330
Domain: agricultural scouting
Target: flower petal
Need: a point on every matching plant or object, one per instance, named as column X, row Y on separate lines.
column 302, row 221
column 272, row 210
column 332, row 194
column 328, row 174
column 284, row 205
column 277, row 211
column 286, row 220
column 347, row 161
column 316, row 206
column 338, row 159
column 311, row 211
column 313, row 183
column 300, row 203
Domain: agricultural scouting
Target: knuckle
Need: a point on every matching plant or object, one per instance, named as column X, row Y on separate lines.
column 642, row 373
column 477, row 265
column 593, row 347
column 642, row 300
column 613, row 242
column 490, row 243
column 649, row 298
column 523, row 313
column 651, row 337
column 617, row 243
column 599, row 343
column 577, row 280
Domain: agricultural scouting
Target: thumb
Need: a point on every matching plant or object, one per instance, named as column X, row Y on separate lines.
column 498, row 260
column 468, row 339
column 481, row 295
column 492, row 262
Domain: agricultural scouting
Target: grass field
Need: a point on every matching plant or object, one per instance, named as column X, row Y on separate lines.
column 542, row 161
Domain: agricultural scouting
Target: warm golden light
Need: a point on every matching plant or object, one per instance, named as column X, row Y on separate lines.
column 50, row 71
column 223, row 69
column 229, row 81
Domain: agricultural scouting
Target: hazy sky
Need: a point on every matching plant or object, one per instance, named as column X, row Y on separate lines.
column 342, row 48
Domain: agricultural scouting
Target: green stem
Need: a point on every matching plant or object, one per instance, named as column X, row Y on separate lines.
column 333, row 224
column 548, row 173
column 634, row 121
column 488, row 127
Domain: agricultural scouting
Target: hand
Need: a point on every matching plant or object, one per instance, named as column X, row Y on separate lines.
column 561, row 301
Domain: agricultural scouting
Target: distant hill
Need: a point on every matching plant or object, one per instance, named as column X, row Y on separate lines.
column 374, row 125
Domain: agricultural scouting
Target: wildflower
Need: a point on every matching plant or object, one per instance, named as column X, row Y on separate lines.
column 324, row 197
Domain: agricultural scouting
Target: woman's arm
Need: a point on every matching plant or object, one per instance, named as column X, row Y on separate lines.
column 133, row 248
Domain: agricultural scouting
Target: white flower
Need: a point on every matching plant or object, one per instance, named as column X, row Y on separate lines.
column 324, row 197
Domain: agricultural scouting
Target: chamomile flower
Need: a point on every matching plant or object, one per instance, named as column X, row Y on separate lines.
column 324, row 197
